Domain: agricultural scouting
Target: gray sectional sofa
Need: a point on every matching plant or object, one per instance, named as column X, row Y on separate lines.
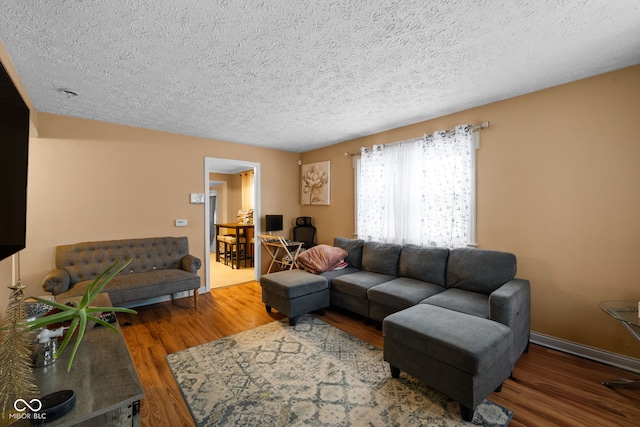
column 456, row 319
column 384, row 278
column 159, row 266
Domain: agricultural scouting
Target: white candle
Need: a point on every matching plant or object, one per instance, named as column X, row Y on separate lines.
column 13, row 269
column 17, row 268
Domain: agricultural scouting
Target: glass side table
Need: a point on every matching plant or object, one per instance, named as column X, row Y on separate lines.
column 627, row 313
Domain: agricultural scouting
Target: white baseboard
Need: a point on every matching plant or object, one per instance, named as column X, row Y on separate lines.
column 607, row 357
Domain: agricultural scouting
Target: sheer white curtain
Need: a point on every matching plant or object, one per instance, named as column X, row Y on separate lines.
column 418, row 192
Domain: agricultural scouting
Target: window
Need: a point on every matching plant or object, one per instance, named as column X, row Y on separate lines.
column 420, row 192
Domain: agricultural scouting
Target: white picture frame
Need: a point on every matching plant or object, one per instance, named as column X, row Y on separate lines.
column 316, row 184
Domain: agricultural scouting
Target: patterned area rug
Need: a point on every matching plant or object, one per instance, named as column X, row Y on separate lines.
column 310, row 374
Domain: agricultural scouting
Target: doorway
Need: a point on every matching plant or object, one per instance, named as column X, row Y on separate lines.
column 214, row 165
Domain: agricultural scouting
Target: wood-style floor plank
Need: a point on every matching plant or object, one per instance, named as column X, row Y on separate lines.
column 548, row 388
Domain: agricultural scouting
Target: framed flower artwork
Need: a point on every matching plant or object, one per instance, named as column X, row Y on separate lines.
column 316, row 183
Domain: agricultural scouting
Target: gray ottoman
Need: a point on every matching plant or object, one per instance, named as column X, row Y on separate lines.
column 462, row 356
column 294, row 292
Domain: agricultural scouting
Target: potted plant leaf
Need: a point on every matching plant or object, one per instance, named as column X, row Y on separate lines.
column 78, row 313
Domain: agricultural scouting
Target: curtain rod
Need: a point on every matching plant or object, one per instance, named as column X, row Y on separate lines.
column 474, row 128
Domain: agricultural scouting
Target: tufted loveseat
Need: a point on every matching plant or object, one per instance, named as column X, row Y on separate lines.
column 159, row 266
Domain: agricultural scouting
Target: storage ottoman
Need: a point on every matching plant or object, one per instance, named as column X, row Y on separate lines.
column 294, row 292
column 462, row 356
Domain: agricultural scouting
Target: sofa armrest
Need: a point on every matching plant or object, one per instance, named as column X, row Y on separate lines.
column 510, row 305
column 57, row 281
column 191, row 263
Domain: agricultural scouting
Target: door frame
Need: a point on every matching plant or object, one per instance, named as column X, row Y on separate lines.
column 221, row 165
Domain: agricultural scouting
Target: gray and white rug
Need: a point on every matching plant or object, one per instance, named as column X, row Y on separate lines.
column 310, row 374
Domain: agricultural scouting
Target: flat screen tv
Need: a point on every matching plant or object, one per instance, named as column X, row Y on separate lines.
column 273, row 222
column 14, row 157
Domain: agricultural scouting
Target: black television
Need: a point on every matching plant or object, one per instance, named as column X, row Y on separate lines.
column 273, row 222
column 14, row 158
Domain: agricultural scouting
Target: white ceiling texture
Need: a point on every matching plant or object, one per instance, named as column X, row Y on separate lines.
column 298, row 75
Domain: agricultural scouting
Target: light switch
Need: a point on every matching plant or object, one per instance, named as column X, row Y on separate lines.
column 181, row 222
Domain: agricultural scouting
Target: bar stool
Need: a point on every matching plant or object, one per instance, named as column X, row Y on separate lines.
column 231, row 247
column 252, row 248
column 223, row 249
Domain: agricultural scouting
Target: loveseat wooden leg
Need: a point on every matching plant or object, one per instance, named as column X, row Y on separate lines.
column 196, row 292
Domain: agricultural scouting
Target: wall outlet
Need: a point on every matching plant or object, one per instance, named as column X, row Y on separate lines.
column 181, row 222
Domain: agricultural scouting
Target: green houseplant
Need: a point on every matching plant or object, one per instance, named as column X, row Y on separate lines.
column 79, row 312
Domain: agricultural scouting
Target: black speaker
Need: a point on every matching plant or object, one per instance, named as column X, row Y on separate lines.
column 55, row 405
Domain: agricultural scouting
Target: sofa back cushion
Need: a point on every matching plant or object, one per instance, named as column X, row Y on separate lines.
column 353, row 248
column 479, row 270
column 425, row 263
column 381, row 258
column 85, row 261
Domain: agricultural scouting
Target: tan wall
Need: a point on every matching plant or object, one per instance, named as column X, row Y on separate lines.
column 90, row 180
column 558, row 185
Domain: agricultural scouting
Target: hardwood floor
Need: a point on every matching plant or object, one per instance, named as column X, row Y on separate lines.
column 548, row 388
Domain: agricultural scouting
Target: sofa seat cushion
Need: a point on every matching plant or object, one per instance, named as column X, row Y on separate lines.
column 466, row 342
column 402, row 292
column 330, row 275
column 137, row 286
column 462, row 301
column 357, row 284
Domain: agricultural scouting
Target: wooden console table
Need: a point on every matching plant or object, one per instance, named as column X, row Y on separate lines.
column 108, row 391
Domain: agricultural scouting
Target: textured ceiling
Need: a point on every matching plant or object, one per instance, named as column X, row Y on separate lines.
column 298, row 75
